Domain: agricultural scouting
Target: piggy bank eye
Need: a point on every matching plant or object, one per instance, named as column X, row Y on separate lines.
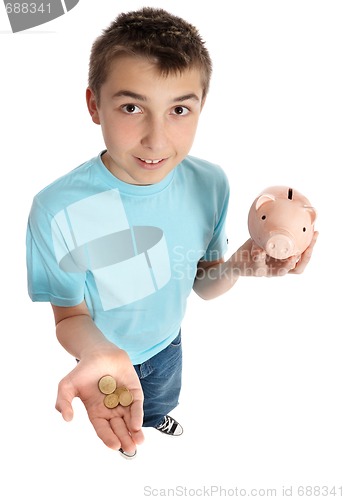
column 304, row 229
column 264, row 217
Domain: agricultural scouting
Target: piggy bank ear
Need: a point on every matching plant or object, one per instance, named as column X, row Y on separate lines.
column 264, row 198
column 313, row 213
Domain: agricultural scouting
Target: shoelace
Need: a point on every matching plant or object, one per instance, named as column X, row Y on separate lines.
column 167, row 424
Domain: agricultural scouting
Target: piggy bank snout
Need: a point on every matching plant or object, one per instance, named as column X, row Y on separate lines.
column 280, row 246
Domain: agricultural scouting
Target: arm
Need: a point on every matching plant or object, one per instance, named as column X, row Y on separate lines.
column 78, row 334
column 217, row 277
column 214, row 278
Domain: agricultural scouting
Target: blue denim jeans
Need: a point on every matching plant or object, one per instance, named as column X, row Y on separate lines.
column 160, row 378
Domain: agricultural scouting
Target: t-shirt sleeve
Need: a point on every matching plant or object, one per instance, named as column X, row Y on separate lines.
column 45, row 248
column 218, row 244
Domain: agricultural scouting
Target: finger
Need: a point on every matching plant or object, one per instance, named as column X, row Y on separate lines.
column 65, row 408
column 257, row 253
column 287, row 266
column 279, row 267
column 305, row 257
column 136, row 414
column 134, row 421
column 292, row 262
column 121, row 430
column 314, row 239
column 301, row 264
column 65, row 396
column 105, row 433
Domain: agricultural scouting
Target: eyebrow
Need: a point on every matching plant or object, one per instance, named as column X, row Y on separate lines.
column 187, row 97
column 139, row 97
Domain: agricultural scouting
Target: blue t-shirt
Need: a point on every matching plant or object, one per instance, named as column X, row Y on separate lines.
column 130, row 251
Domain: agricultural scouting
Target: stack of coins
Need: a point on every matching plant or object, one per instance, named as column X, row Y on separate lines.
column 114, row 395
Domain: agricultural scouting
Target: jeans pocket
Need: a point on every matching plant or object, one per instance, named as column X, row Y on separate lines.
column 177, row 341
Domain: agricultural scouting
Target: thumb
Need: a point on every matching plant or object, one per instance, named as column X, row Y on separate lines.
column 257, row 253
column 66, row 394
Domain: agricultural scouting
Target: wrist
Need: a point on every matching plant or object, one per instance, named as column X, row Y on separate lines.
column 99, row 349
column 234, row 268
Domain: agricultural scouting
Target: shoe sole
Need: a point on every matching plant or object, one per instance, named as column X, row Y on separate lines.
column 170, row 435
column 127, row 456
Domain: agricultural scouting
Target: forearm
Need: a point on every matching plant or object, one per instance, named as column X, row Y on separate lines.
column 218, row 277
column 80, row 336
column 213, row 281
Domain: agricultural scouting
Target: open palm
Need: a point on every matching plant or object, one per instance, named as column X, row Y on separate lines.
column 120, row 427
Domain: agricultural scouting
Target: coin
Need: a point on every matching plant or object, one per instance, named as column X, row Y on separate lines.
column 111, row 400
column 107, row 384
column 125, row 397
column 120, row 389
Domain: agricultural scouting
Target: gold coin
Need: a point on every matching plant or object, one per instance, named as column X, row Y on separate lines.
column 125, row 397
column 121, row 389
column 107, row 384
column 111, row 400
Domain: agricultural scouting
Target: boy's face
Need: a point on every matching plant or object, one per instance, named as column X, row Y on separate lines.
column 148, row 121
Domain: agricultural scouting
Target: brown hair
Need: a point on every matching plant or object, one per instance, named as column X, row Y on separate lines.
column 171, row 42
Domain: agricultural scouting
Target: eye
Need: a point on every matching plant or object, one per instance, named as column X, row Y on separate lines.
column 264, row 217
column 304, row 229
column 131, row 109
column 180, row 111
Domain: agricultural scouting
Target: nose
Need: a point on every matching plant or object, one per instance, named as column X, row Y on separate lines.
column 280, row 246
column 154, row 134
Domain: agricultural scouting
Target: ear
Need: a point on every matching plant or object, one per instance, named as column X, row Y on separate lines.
column 264, row 198
column 92, row 106
column 312, row 211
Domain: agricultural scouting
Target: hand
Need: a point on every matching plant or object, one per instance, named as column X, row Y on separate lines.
column 251, row 260
column 305, row 257
column 293, row 265
column 120, row 427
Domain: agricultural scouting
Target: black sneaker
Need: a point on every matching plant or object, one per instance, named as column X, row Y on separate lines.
column 126, row 455
column 170, row 427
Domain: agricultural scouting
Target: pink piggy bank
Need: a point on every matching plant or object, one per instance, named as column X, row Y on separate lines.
column 281, row 221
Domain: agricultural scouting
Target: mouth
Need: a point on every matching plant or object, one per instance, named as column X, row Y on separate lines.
column 151, row 164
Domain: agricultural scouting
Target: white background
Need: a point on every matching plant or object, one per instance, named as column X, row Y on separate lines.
column 263, row 398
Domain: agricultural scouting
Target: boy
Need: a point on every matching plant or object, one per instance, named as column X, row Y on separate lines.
column 118, row 244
